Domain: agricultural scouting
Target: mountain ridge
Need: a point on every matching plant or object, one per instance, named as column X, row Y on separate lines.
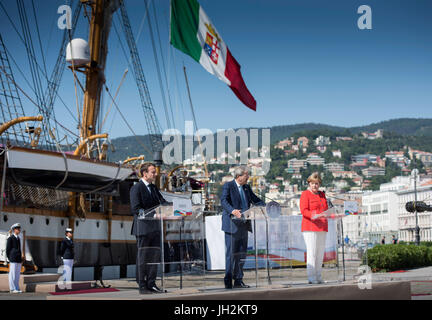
column 128, row 146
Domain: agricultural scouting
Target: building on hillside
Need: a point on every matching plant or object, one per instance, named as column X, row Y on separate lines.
column 284, row 143
column 425, row 157
column 315, row 160
column 321, row 149
column 322, row 141
column 373, row 171
column 303, row 143
column 345, row 174
column 337, row 153
column 398, row 158
column 361, row 158
column 294, row 165
column 374, row 135
column 334, row 167
column 289, row 151
column 344, row 139
column 366, row 183
column 340, row 184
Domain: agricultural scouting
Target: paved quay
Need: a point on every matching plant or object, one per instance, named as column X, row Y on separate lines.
column 208, row 283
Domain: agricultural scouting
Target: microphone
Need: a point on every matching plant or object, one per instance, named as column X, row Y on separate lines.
column 142, row 213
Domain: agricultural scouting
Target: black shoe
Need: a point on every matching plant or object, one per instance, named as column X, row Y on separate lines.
column 144, row 291
column 155, row 289
column 241, row 285
column 228, row 286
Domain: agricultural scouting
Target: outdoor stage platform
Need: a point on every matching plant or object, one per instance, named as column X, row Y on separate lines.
column 393, row 290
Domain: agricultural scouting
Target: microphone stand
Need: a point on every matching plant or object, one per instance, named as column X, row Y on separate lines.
column 181, row 253
column 161, row 240
column 267, row 248
column 256, row 253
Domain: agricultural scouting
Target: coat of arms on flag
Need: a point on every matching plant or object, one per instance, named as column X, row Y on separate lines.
column 211, row 45
column 192, row 32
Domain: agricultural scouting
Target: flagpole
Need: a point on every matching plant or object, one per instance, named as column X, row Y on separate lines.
column 195, row 122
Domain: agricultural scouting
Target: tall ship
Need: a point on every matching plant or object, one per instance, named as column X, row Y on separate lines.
column 49, row 183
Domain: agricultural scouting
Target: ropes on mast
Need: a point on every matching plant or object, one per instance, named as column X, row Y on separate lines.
column 163, row 63
column 153, row 125
column 127, row 123
column 44, row 102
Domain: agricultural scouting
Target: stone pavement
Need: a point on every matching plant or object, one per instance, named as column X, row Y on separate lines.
column 420, row 280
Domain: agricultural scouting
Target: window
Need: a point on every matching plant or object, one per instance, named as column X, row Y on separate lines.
column 375, row 209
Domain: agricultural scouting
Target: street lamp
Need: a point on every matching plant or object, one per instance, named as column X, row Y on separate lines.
column 414, row 173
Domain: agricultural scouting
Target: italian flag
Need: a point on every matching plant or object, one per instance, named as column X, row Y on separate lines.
column 193, row 33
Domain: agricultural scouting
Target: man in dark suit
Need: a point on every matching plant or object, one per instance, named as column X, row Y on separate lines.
column 15, row 257
column 144, row 195
column 237, row 196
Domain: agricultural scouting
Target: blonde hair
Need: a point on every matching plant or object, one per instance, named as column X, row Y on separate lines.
column 314, row 177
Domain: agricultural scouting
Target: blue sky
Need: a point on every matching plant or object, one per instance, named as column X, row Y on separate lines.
column 304, row 61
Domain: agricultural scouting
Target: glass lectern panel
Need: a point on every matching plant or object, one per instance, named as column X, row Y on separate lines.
column 149, row 251
column 183, row 246
column 171, row 252
column 266, row 262
column 341, row 259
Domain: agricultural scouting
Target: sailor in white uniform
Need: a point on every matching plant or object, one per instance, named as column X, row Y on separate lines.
column 67, row 254
column 15, row 257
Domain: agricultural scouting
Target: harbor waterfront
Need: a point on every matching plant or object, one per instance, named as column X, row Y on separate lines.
column 194, row 150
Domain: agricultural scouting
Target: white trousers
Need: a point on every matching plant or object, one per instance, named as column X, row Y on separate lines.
column 67, row 269
column 14, row 275
column 315, row 247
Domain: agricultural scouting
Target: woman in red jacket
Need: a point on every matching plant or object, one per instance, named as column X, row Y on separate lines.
column 312, row 202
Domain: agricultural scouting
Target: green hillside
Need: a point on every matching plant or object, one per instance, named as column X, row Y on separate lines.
column 420, row 131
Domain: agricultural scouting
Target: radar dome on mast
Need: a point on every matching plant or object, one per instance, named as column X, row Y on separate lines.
column 80, row 53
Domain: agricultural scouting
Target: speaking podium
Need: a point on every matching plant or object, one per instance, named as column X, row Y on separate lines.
column 265, row 262
column 174, row 250
column 337, row 213
column 348, row 208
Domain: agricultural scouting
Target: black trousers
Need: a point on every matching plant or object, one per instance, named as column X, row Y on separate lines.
column 148, row 259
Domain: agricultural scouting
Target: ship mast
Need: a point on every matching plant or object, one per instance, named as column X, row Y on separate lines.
column 100, row 23
column 94, row 84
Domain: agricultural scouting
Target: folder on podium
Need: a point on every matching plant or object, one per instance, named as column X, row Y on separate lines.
column 337, row 212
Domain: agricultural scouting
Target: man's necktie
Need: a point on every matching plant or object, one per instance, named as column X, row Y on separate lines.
column 243, row 199
column 153, row 192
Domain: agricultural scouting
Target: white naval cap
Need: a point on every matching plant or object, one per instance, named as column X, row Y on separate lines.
column 15, row 225
column 69, row 230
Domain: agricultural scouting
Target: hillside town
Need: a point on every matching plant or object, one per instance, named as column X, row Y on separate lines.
column 380, row 183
